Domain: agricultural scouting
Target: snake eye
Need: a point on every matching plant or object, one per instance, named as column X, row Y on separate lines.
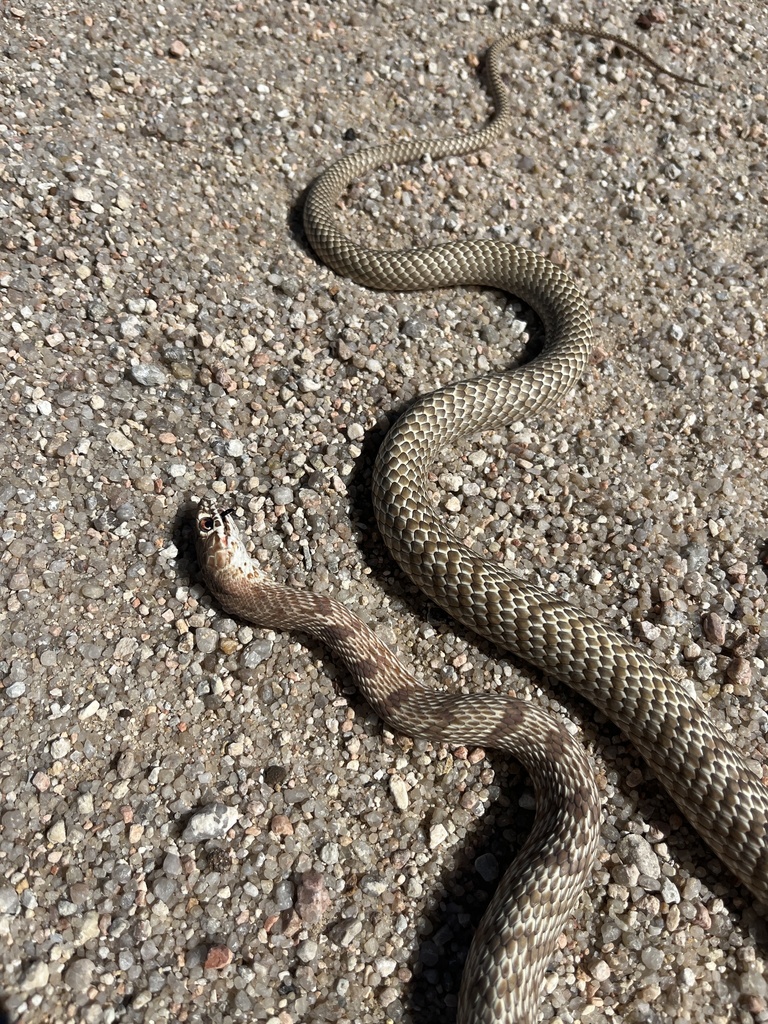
column 206, row 524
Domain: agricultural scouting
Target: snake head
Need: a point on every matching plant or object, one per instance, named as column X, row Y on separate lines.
column 211, row 521
column 230, row 573
column 220, row 548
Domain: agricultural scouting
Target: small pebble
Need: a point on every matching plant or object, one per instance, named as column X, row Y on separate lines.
column 206, row 640
column 312, row 898
column 60, row 747
column 600, row 970
column 35, row 977
column 713, row 628
column 637, row 851
column 78, row 974
column 57, row 833
column 131, row 327
column 652, row 958
column 345, row 932
column 399, row 792
column 282, row 496
column 437, row 835
column 9, row 900
column 329, row 853
column 126, row 764
column 307, row 951
column 281, row 825
column 487, row 867
column 87, row 928
column 211, row 822
column 218, row 957
column 386, row 966
column 172, row 864
column 145, row 374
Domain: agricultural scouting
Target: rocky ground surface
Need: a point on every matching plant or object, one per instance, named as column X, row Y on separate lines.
column 202, row 821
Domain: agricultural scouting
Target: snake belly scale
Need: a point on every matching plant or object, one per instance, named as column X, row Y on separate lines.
column 703, row 772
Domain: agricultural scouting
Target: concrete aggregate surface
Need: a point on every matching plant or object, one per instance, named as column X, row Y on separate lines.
column 200, row 821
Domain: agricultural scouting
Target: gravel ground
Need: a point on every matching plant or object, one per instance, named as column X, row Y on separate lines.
column 201, row 821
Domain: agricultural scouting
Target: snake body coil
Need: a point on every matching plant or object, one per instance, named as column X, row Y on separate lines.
column 705, row 775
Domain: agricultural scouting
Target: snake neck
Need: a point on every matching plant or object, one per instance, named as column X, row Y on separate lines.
column 264, row 603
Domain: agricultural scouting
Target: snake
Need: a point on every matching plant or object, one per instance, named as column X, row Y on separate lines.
column 701, row 769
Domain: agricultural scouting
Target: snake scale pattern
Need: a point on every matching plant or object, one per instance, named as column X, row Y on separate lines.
column 703, row 772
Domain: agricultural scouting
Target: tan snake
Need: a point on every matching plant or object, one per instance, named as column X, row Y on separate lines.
column 703, row 772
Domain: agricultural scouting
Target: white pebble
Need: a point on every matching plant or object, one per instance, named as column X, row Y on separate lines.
column 600, row 970
column 385, row 965
column 399, row 792
column 57, row 833
column 212, row 822
column 437, row 835
column 60, row 748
